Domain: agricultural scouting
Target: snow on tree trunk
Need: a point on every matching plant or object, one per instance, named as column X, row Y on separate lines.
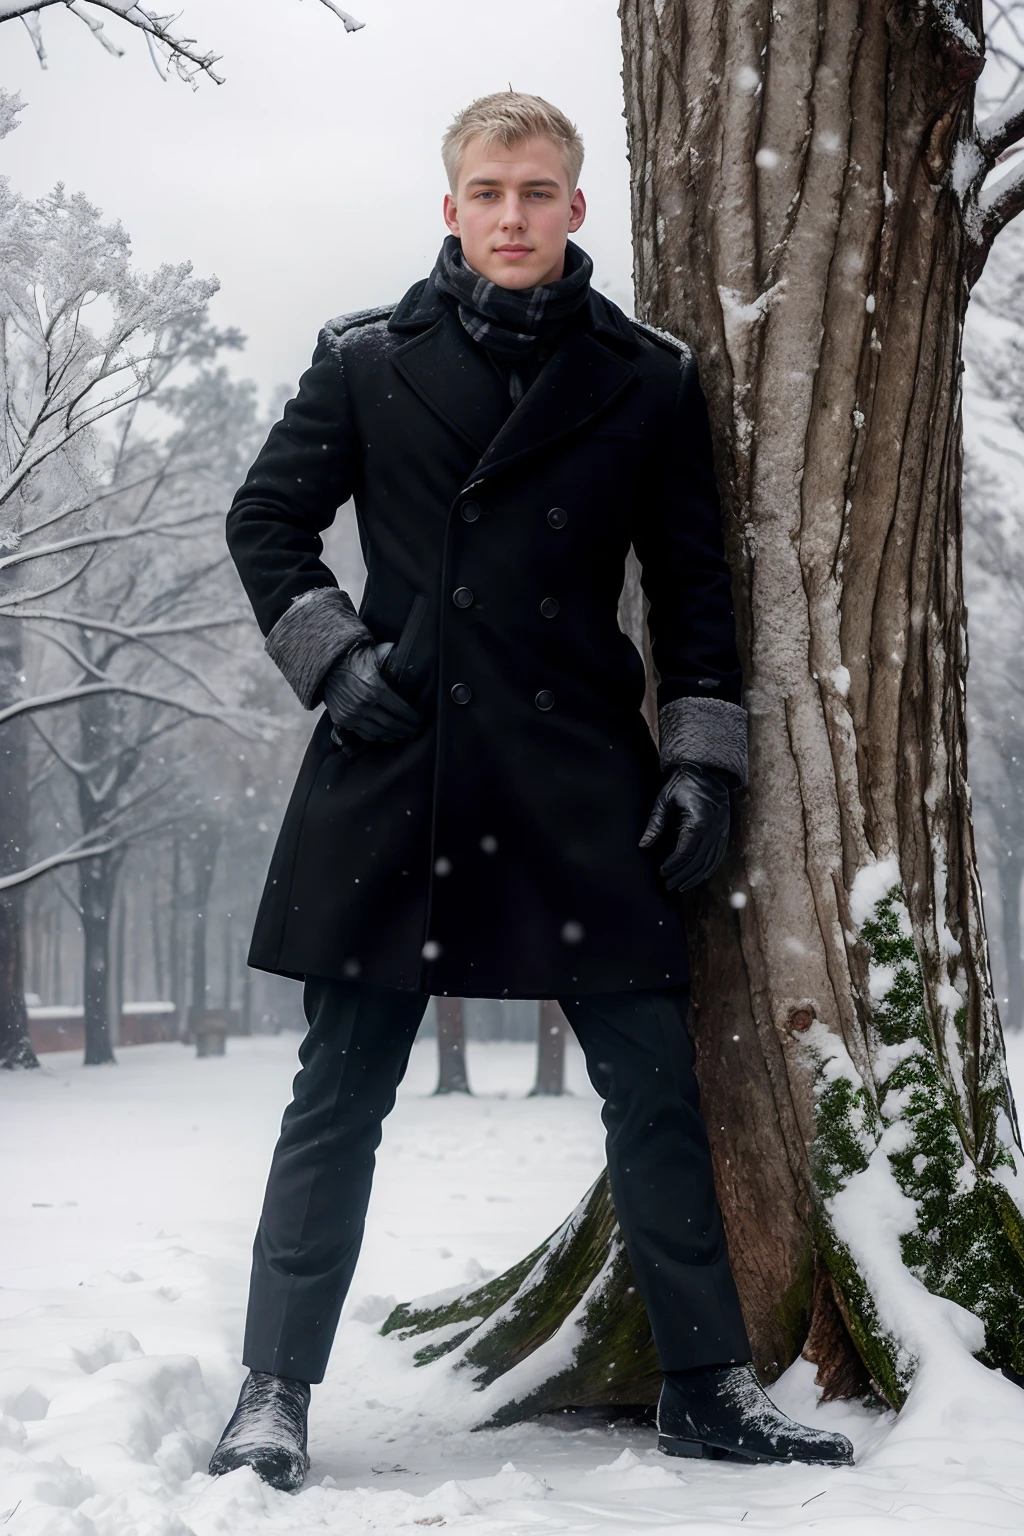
column 806, row 214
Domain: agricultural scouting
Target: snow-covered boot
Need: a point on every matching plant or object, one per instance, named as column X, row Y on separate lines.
column 725, row 1412
column 267, row 1432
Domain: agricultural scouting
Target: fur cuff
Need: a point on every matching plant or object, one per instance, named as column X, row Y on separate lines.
column 711, row 732
column 318, row 628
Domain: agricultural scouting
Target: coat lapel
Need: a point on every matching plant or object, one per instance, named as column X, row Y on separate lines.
column 451, row 375
column 454, row 378
column 576, row 384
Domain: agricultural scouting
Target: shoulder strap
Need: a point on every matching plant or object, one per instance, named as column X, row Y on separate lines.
column 663, row 339
column 342, row 323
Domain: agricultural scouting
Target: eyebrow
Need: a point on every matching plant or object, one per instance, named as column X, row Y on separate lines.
column 495, row 181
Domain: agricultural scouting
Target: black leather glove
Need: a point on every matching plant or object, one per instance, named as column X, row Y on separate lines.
column 701, row 797
column 359, row 699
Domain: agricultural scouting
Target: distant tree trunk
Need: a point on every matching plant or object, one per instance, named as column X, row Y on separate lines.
column 1010, row 863
column 204, row 863
column 551, row 1027
column 97, row 885
column 117, row 967
column 451, row 1046
column 246, row 1018
column 805, row 214
column 175, row 946
column 15, row 1047
column 228, row 963
column 156, row 927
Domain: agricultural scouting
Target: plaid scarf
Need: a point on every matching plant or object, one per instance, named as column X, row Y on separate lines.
column 513, row 324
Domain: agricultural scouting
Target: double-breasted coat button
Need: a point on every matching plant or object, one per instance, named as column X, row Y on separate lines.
column 462, row 597
column 470, row 511
column 558, row 517
column 461, row 693
column 544, row 699
column 549, row 607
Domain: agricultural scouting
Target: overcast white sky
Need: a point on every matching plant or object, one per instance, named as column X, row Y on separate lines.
column 310, row 182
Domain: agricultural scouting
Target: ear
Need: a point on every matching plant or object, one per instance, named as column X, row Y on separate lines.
column 451, row 215
column 577, row 211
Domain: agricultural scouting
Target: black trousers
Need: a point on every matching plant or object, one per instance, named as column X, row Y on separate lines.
column 640, row 1059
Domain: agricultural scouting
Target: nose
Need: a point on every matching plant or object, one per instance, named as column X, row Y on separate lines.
column 513, row 214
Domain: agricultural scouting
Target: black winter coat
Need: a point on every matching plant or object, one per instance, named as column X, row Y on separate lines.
column 497, row 853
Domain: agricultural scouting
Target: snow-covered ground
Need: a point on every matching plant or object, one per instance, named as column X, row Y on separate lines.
column 128, row 1198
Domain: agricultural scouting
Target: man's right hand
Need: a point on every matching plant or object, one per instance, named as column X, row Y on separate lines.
column 359, row 699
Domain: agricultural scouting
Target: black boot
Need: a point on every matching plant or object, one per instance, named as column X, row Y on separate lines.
column 267, row 1432
column 724, row 1412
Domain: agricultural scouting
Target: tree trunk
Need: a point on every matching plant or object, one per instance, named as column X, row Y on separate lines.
column 97, row 885
column 1010, row 871
column 451, row 1046
column 15, row 1047
column 175, row 957
column 204, row 863
column 551, row 1027
column 798, row 175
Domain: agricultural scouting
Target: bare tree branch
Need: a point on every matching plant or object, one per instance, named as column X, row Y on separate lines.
column 183, row 54
column 262, row 727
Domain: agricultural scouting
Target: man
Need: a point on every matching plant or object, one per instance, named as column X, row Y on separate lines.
column 481, row 810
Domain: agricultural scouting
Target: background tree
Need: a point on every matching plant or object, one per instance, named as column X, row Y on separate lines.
column 810, row 208
column 451, row 1046
column 90, row 484
column 551, row 1028
column 994, row 581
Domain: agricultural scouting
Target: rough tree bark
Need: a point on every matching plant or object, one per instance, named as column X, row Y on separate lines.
column 808, row 214
column 451, row 1046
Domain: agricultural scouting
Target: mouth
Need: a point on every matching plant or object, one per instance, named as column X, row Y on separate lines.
column 514, row 252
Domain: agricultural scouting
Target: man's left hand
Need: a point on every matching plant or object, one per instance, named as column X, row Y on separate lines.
column 700, row 796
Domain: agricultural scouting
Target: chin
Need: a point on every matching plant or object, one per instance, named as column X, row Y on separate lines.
column 511, row 275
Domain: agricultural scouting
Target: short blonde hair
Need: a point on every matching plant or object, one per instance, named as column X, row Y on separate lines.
column 506, row 118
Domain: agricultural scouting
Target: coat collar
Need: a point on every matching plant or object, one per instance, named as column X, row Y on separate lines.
column 453, row 377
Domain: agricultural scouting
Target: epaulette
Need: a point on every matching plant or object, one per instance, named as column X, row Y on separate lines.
column 663, row 339
column 342, row 323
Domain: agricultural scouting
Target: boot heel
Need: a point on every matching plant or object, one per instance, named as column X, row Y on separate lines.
column 672, row 1445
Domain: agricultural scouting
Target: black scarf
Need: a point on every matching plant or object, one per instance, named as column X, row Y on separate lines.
column 514, row 324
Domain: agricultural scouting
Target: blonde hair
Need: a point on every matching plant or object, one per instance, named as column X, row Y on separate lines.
column 506, row 118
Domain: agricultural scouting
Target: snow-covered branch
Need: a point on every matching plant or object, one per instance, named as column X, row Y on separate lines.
column 167, row 45
column 72, row 855
column 171, row 525
column 134, row 631
column 998, row 204
column 243, row 722
column 1002, row 128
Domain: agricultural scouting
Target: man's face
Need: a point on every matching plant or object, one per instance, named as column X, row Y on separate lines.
column 513, row 211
